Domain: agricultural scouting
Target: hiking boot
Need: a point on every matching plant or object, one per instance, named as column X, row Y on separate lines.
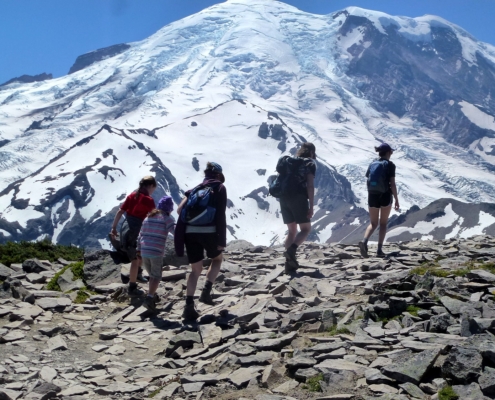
column 380, row 254
column 206, row 298
column 291, row 267
column 149, row 304
column 190, row 314
column 156, row 298
column 134, row 292
column 290, row 256
column 363, row 248
column 141, row 278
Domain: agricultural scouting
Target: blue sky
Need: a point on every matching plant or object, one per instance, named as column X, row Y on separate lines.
column 46, row 36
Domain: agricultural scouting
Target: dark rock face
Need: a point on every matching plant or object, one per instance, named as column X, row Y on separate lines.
column 101, row 267
column 463, row 365
column 87, row 59
column 29, row 79
column 421, row 78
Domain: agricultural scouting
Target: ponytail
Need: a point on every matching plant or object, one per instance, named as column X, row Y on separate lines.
column 146, row 181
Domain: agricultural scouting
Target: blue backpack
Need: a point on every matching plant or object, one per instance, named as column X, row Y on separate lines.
column 378, row 181
column 200, row 206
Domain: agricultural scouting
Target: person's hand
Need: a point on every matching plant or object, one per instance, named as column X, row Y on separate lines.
column 114, row 233
column 397, row 206
column 138, row 255
column 310, row 212
column 221, row 248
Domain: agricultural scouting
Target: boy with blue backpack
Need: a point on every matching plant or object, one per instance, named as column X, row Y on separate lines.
column 202, row 226
column 381, row 193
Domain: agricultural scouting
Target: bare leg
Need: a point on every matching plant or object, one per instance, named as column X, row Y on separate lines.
column 133, row 273
column 301, row 236
column 214, row 269
column 374, row 215
column 384, row 214
column 153, row 287
column 291, row 235
column 192, row 281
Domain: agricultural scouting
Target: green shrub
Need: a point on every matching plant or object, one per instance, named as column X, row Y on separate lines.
column 432, row 267
column 447, row 393
column 83, row 294
column 333, row 331
column 155, row 392
column 12, row 252
column 313, row 384
column 413, row 310
column 77, row 269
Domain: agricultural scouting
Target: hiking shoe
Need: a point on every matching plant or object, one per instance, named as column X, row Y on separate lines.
column 156, row 298
column 291, row 267
column 363, row 248
column 149, row 304
column 380, row 254
column 190, row 314
column 134, row 292
column 290, row 256
column 206, row 298
column 141, row 278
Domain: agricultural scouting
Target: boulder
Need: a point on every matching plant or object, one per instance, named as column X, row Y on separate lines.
column 463, row 365
column 34, row 265
column 5, row 272
column 487, row 381
column 101, row 267
column 412, row 369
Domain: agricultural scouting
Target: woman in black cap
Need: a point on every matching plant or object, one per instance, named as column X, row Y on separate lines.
column 382, row 191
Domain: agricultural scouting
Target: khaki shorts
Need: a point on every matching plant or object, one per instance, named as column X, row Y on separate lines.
column 153, row 266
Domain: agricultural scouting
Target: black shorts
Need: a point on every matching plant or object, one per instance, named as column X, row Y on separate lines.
column 295, row 209
column 197, row 243
column 379, row 200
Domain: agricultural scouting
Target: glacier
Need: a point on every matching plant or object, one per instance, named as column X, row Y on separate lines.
column 232, row 68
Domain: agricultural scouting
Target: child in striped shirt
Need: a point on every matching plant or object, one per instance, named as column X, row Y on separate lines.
column 151, row 245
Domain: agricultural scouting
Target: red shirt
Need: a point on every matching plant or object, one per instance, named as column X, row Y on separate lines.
column 139, row 207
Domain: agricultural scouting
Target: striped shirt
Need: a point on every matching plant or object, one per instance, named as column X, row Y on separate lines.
column 153, row 235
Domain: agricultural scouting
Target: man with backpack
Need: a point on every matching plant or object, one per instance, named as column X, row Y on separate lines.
column 202, row 226
column 381, row 192
column 296, row 192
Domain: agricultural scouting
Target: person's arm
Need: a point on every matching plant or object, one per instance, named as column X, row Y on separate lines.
column 116, row 220
column 310, row 185
column 221, row 218
column 393, row 187
column 181, row 205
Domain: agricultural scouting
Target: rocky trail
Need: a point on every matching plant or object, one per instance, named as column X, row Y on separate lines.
column 409, row 326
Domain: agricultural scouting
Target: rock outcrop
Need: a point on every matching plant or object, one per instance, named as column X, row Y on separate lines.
column 342, row 327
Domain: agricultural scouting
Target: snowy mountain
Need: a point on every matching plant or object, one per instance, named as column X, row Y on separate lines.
column 242, row 83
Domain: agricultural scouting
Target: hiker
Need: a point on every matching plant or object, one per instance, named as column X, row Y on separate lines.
column 136, row 207
column 202, row 226
column 381, row 192
column 151, row 245
column 297, row 199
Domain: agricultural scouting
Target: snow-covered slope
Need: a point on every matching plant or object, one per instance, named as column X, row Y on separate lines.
column 345, row 81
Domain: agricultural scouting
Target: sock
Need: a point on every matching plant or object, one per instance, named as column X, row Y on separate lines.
column 379, row 248
column 132, row 285
column 365, row 241
column 189, row 300
column 294, row 246
column 150, row 295
column 208, row 286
